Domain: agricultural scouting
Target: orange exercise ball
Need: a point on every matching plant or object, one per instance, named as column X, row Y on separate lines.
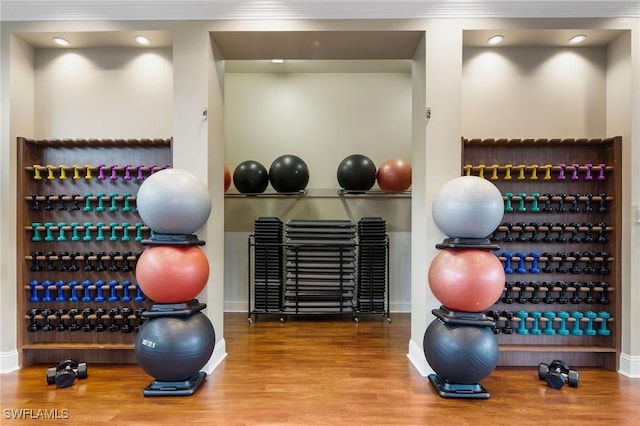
column 227, row 178
column 394, row 175
column 468, row 280
column 172, row 274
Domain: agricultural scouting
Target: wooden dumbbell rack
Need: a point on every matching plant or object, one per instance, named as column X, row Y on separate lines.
column 61, row 184
column 569, row 229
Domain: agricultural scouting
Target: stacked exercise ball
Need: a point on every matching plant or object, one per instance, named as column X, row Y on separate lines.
column 467, row 278
column 177, row 339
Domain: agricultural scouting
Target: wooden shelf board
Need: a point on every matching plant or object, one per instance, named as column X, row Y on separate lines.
column 77, row 346
column 556, row 348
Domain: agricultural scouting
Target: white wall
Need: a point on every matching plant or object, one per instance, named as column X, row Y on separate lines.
column 104, row 93
column 542, row 92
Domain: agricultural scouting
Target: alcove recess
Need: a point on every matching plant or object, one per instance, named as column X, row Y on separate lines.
column 76, row 207
column 562, row 206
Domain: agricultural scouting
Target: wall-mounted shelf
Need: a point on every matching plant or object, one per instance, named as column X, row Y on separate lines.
column 559, row 244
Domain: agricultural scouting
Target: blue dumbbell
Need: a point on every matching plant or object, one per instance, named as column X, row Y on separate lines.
column 534, row 264
column 521, row 269
column 74, row 291
column 99, row 291
column 60, row 292
column 34, row 291
column 563, row 330
column 112, row 286
column 507, row 263
column 87, row 291
column 47, row 291
column 125, row 291
column 139, row 295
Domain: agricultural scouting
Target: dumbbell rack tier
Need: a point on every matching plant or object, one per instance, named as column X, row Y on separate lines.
column 560, row 246
column 319, row 269
column 79, row 237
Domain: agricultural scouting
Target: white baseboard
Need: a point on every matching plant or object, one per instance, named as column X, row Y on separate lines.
column 218, row 355
column 9, row 361
column 416, row 356
column 630, row 366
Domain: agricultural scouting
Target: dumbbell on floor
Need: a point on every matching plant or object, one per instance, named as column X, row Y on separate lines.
column 557, row 374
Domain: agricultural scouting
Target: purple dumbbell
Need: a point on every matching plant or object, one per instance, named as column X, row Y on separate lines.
column 114, row 172
column 576, row 167
column 588, row 175
column 140, row 174
column 127, row 172
column 561, row 175
column 101, row 175
column 601, row 173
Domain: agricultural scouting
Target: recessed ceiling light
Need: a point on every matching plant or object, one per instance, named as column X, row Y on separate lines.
column 577, row 39
column 277, row 61
column 496, row 39
column 142, row 40
column 61, row 41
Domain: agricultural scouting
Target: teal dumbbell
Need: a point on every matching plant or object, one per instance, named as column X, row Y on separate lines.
column 49, row 230
column 562, row 330
column 36, row 231
column 534, row 202
column 603, row 330
column 61, row 235
column 139, row 231
column 535, row 328
column 522, row 325
column 591, row 316
column 87, row 231
column 74, row 230
column 521, row 206
column 114, row 204
column 507, row 205
column 548, row 330
column 126, row 207
column 87, row 202
column 100, row 236
column 101, row 206
column 577, row 316
column 125, row 231
column 114, row 235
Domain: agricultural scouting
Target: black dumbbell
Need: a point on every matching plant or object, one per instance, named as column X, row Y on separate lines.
column 587, row 204
column 508, row 298
column 575, row 299
column 587, row 238
column 35, row 263
column 47, row 326
column 574, row 203
column 601, row 238
column 604, row 296
column 33, row 321
column 507, row 235
column 126, row 320
column 65, row 374
column 114, row 263
column 547, row 297
column 603, row 202
column 86, row 325
column 87, row 261
column 48, row 203
column 535, row 299
column 507, row 329
column 521, row 232
column 575, row 238
column 100, row 312
column 35, row 205
column 127, row 263
column 546, row 207
column 76, row 204
column 62, row 204
column 590, row 299
column 561, row 208
column 100, row 267
column 562, row 297
column 547, row 268
column 138, row 314
column 49, row 266
column 575, row 268
column 561, row 268
column 557, row 374
column 589, row 269
column 112, row 317
column 561, row 238
column 522, row 298
column 73, row 314
column 604, row 267
column 59, row 313
column 73, row 267
column 534, row 238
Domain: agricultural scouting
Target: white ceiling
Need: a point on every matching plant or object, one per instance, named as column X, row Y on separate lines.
column 34, row 10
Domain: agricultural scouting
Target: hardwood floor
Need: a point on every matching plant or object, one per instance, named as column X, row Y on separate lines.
column 318, row 371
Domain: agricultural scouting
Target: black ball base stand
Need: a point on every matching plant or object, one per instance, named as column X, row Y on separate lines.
column 458, row 390
column 182, row 388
